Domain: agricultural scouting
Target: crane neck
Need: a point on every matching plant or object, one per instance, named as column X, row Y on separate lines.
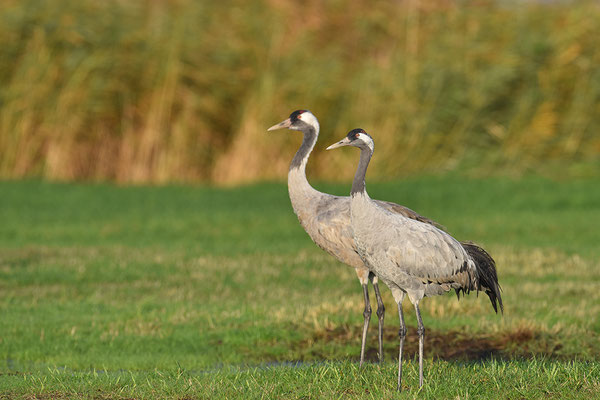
column 308, row 143
column 298, row 187
column 358, row 184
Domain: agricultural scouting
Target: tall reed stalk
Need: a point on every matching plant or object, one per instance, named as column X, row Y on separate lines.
column 182, row 90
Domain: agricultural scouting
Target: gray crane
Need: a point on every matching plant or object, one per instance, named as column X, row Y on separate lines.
column 326, row 218
column 411, row 257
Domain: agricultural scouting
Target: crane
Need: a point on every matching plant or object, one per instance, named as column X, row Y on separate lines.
column 411, row 257
column 326, row 218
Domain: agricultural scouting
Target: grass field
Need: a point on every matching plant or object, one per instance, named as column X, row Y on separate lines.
column 200, row 292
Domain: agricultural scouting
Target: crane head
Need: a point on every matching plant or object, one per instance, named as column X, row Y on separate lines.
column 298, row 120
column 357, row 138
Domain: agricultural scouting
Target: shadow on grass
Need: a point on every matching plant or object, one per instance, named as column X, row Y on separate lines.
column 445, row 345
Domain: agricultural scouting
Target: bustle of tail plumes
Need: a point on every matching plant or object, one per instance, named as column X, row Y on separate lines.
column 487, row 277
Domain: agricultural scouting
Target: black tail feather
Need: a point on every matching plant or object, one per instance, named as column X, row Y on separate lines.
column 486, row 271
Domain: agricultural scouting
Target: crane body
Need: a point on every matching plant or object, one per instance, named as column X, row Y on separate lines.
column 411, row 257
column 326, row 218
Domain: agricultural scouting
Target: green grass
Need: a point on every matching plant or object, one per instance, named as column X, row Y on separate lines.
column 201, row 292
column 530, row 379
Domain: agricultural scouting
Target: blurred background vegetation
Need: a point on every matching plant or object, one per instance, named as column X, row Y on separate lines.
column 183, row 90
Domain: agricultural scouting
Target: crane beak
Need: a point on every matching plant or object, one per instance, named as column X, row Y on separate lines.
column 344, row 142
column 283, row 124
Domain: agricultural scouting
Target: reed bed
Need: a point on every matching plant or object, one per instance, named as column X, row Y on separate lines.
column 156, row 91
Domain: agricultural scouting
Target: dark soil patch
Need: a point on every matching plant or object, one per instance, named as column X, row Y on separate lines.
column 444, row 345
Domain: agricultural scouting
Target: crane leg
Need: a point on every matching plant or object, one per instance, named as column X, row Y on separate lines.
column 402, row 334
column 380, row 314
column 367, row 315
column 421, row 333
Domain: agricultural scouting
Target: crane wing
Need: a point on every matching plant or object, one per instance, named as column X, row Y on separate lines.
column 427, row 253
column 407, row 213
